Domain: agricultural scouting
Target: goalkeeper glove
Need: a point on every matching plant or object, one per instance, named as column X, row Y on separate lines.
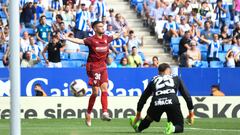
column 190, row 118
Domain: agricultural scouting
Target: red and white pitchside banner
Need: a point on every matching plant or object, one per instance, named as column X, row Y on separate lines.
column 119, row 107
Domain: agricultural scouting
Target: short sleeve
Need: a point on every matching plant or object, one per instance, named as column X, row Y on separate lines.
column 87, row 41
column 109, row 39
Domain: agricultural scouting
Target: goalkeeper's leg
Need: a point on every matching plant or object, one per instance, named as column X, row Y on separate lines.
column 175, row 116
column 145, row 123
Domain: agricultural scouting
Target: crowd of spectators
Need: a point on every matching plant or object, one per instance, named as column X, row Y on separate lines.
column 200, row 33
column 43, row 24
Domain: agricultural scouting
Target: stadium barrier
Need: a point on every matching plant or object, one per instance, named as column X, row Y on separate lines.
column 122, row 81
column 119, row 107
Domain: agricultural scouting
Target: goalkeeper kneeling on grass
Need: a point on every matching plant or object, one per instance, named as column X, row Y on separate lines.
column 164, row 89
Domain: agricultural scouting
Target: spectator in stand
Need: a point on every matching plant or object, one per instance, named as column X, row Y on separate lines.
column 146, row 65
column 224, row 36
column 148, row 5
column 207, row 32
column 193, row 55
column 180, row 15
column 53, row 50
column 109, row 30
column 26, row 16
column 27, row 61
column 82, row 21
column 24, row 41
column 133, row 41
column 215, row 91
column 230, row 61
column 55, row 5
column 70, row 46
column 101, row 9
column 43, row 33
column 6, row 34
column 237, row 59
column 57, row 24
column 204, row 10
column 134, row 59
column 92, row 12
column 187, row 9
column 184, row 26
column 236, row 32
column 39, row 90
column 123, row 63
column 34, row 49
column 110, row 62
column 171, row 11
column 119, row 46
column 194, row 32
column 213, row 47
column 111, row 18
column 184, row 45
column 39, row 10
column 155, row 62
column 4, row 8
column 236, row 10
column 195, row 17
column 119, row 23
column 68, row 17
column 236, row 47
column 170, row 29
column 157, row 13
column 63, row 29
column 221, row 13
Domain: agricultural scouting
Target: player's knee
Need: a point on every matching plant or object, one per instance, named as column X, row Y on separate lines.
column 104, row 87
column 149, row 118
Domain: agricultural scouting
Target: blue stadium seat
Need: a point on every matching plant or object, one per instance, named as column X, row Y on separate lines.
column 216, row 31
column 175, row 50
column 216, row 64
column 142, row 55
column 202, row 47
column 120, row 56
column 222, row 56
column 1, row 64
column 49, row 15
column 204, row 64
column 204, row 55
column 175, row 41
column 84, row 48
column 227, row 47
column 1, row 55
column 29, row 30
column 78, row 56
column 2, row 14
column 64, row 56
column 39, row 65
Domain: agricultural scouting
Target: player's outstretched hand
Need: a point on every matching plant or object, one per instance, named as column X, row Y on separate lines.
column 190, row 118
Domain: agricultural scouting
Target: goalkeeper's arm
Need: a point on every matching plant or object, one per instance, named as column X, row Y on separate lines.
column 143, row 99
column 184, row 92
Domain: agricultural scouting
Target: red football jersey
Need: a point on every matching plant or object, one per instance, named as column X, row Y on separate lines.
column 98, row 48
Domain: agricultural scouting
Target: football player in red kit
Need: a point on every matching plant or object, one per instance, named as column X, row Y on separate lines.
column 96, row 67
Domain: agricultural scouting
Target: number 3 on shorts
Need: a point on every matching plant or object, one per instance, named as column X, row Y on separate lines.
column 97, row 76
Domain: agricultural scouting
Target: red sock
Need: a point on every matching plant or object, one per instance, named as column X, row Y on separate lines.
column 91, row 103
column 104, row 101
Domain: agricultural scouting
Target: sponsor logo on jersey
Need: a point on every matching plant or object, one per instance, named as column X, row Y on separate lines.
column 101, row 49
column 164, row 92
column 163, row 101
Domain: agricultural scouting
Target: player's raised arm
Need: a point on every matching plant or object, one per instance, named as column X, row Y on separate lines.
column 75, row 40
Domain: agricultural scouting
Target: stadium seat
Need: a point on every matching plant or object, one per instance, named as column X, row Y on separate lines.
column 202, row 47
column 204, row 55
column 175, row 41
column 119, row 56
column 1, row 55
column 216, row 31
column 49, row 15
column 2, row 14
column 78, row 56
column 142, row 55
column 64, row 56
column 204, row 64
column 216, row 64
column 84, row 48
column 39, row 65
column 175, row 50
column 29, row 30
column 227, row 47
column 222, row 56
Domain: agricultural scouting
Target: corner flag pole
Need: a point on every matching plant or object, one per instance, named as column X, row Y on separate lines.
column 15, row 128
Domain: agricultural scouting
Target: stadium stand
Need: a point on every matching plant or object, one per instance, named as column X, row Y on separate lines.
column 137, row 13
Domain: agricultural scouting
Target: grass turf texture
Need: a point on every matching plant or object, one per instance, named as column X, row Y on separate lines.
column 118, row 127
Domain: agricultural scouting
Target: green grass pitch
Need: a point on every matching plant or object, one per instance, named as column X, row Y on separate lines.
column 119, row 127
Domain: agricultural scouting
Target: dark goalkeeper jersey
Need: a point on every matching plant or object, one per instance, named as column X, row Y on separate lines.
column 164, row 90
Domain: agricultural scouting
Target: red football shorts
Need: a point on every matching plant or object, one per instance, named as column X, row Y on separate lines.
column 96, row 76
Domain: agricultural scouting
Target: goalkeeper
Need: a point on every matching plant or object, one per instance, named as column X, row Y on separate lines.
column 164, row 90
